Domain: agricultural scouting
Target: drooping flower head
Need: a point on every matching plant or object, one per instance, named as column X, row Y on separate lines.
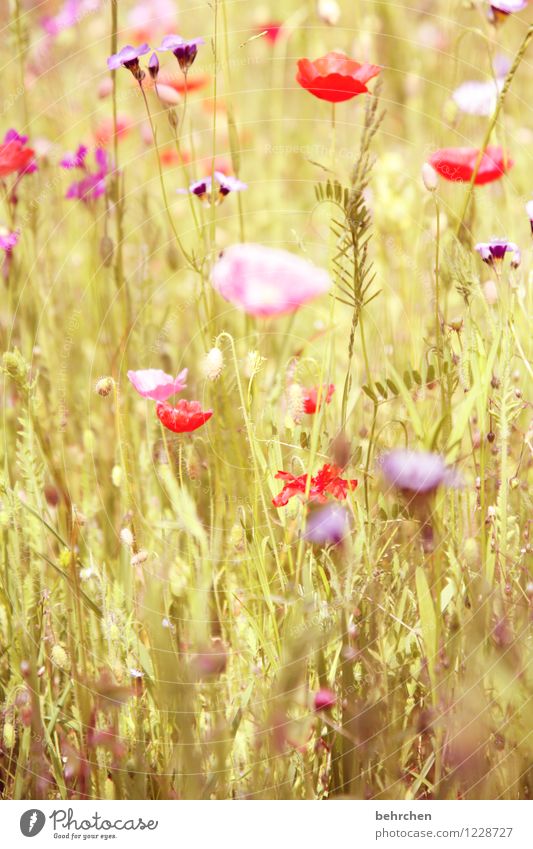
column 501, row 9
column 203, row 189
column 185, row 417
column 128, row 58
column 14, row 155
column 417, row 473
column 529, row 211
column 328, row 525
column 327, row 481
column 265, row 281
column 8, row 239
column 334, row 77
column 156, row 384
column 493, row 252
column 184, row 51
column 458, row 164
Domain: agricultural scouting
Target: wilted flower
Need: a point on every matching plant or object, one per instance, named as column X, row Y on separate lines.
column 128, row 58
column 458, row 164
column 493, row 252
column 334, row 77
column 156, row 384
column 265, row 281
column 417, row 472
column 327, row 481
column 327, row 526
column 185, row 417
column 184, row 51
column 203, row 189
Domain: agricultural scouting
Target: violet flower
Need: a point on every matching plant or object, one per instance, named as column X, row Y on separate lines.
column 76, row 159
column 128, row 58
column 501, row 9
column 93, row 185
column 493, row 252
column 328, row 525
column 153, row 66
column 184, row 51
column 417, row 473
column 203, row 189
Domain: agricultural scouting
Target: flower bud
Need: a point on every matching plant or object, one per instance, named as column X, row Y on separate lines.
column 60, row 658
column 429, row 177
column 329, row 12
column 104, row 386
column 213, row 364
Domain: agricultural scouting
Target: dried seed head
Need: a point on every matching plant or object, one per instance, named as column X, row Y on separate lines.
column 104, row 386
column 295, row 402
column 126, row 537
column 8, row 736
column 213, row 363
column 139, row 558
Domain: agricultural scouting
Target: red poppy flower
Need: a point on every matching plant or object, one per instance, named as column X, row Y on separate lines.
column 185, row 417
column 458, row 164
column 182, row 84
column 170, row 156
column 311, row 397
column 334, row 77
column 14, row 156
column 326, row 482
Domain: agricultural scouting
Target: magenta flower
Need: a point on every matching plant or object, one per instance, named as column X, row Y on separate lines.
column 8, row 239
column 76, row 159
column 417, row 472
column 128, row 58
column 328, row 525
column 265, row 281
column 93, row 184
column 203, row 189
column 30, row 166
column 493, row 252
column 184, row 51
column 71, row 13
column 155, row 384
column 324, row 699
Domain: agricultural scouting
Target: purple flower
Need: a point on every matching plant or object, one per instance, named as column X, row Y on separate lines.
column 153, row 66
column 417, row 472
column 93, row 185
column 128, row 58
column 184, row 51
column 328, row 525
column 501, row 9
column 71, row 13
column 8, row 239
column 75, row 160
column 478, row 98
column 203, row 189
column 493, row 252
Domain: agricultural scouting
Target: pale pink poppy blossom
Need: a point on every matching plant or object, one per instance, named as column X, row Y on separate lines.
column 156, row 384
column 265, row 281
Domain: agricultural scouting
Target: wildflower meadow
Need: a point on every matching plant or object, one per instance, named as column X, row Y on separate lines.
column 266, row 466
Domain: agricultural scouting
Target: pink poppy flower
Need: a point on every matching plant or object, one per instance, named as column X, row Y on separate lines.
column 155, row 384
column 265, row 281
